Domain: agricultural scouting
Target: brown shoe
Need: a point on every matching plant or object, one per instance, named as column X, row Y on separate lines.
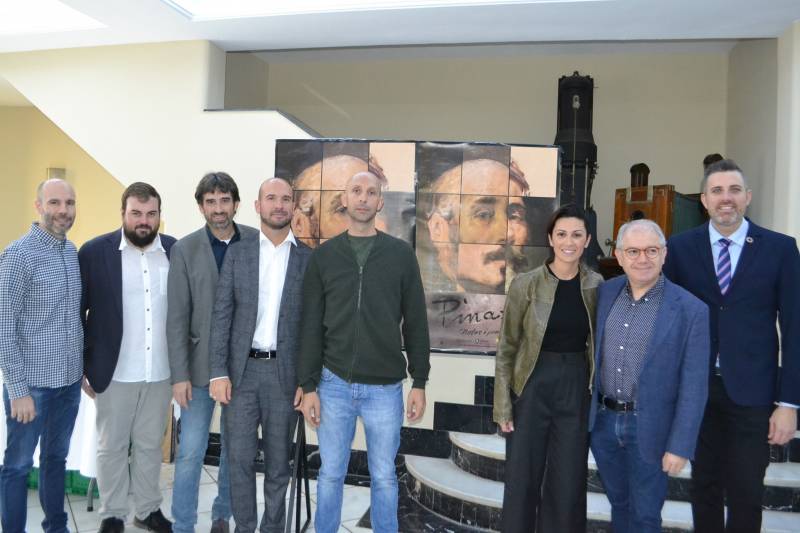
column 155, row 521
column 220, row 526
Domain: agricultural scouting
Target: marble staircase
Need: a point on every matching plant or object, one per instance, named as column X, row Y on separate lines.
column 467, row 488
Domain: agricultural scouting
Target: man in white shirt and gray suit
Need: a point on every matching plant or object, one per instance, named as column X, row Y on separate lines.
column 254, row 340
column 124, row 303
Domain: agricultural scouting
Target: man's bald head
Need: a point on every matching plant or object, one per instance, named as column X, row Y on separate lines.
column 54, row 182
column 55, row 202
column 360, row 177
column 270, row 182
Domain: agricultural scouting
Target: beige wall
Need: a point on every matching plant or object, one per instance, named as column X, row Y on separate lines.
column 663, row 104
column 751, row 120
column 29, row 144
column 138, row 110
column 246, row 77
column 787, row 161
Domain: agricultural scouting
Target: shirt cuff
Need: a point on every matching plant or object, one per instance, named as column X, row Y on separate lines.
column 212, row 380
column 786, row 404
column 418, row 384
column 17, row 390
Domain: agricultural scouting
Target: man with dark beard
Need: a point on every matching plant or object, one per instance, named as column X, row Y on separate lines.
column 254, row 339
column 124, row 302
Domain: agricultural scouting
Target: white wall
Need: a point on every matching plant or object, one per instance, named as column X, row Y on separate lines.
column 664, row 104
column 752, row 120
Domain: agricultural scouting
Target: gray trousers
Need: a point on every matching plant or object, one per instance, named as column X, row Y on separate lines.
column 259, row 400
column 131, row 420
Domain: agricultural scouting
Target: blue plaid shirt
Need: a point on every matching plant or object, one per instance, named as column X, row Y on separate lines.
column 41, row 336
column 629, row 327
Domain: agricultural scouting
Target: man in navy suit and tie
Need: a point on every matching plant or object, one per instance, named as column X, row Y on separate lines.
column 651, row 382
column 750, row 278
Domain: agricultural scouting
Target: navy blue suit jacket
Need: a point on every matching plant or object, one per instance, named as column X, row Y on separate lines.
column 765, row 288
column 101, row 305
column 673, row 385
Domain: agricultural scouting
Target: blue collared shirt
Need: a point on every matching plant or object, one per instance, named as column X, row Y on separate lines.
column 628, row 329
column 41, row 336
column 219, row 247
column 736, row 246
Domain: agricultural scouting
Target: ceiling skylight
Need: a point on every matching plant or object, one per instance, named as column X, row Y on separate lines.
column 18, row 17
column 199, row 10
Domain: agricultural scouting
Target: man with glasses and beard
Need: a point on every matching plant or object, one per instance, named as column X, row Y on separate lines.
column 124, row 302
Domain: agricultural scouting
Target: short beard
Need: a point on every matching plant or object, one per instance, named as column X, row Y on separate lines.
column 50, row 226
column 274, row 226
column 136, row 240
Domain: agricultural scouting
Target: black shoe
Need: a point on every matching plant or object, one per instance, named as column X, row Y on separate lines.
column 111, row 525
column 155, row 521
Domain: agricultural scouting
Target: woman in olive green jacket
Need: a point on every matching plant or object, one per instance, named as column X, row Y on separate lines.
column 543, row 372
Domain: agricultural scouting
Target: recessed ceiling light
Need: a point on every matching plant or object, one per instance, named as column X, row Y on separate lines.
column 199, row 10
column 19, row 17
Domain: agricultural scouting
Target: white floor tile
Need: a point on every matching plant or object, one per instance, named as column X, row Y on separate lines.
column 355, row 503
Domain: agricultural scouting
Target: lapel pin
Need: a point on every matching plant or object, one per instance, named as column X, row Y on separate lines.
column 749, row 240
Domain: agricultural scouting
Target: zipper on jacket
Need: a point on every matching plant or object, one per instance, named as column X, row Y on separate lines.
column 358, row 315
column 591, row 361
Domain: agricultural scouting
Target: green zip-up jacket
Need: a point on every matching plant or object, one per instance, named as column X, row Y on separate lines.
column 352, row 316
column 529, row 301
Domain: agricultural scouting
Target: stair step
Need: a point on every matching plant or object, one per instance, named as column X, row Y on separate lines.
column 484, row 499
column 494, row 447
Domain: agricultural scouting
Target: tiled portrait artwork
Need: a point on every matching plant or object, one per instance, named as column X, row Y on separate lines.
column 475, row 213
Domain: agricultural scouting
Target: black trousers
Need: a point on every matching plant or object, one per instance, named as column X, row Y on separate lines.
column 729, row 466
column 545, row 470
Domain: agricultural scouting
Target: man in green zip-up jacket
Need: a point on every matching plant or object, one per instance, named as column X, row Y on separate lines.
column 361, row 288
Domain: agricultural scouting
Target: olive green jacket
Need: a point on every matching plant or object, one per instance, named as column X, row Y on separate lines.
column 527, row 310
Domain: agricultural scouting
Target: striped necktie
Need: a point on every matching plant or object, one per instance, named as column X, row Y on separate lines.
column 724, row 266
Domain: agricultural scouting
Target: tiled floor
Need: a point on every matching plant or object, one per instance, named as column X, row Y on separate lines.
column 356, row 502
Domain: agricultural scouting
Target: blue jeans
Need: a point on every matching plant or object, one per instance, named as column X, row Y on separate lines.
column 636, row 488
column 56, row 410
column 193, row 441
column 381, row 410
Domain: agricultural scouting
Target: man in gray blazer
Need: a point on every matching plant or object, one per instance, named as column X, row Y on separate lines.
column 254, row 340
column 194, row 269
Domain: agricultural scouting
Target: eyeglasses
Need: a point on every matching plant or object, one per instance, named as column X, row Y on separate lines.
column 651, row 252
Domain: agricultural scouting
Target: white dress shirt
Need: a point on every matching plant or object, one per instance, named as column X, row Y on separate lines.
column 272, row 264
column 735, row 248
column 143, row 350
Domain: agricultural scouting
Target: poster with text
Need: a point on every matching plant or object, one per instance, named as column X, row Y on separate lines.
column 476, row 214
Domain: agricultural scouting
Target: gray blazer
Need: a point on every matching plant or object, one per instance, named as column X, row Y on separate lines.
column 190, row 295
column 236, row 308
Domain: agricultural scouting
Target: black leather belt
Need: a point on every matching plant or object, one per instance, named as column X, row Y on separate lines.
column 263, row 354
column 616, row 405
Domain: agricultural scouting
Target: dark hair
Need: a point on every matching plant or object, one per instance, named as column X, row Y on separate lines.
column 142, row 192
column 710, row 159
column 723, row 165
column 565, row 211
column 216, row 181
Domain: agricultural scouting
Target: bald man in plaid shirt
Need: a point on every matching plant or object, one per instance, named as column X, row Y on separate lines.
column 41, row 357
